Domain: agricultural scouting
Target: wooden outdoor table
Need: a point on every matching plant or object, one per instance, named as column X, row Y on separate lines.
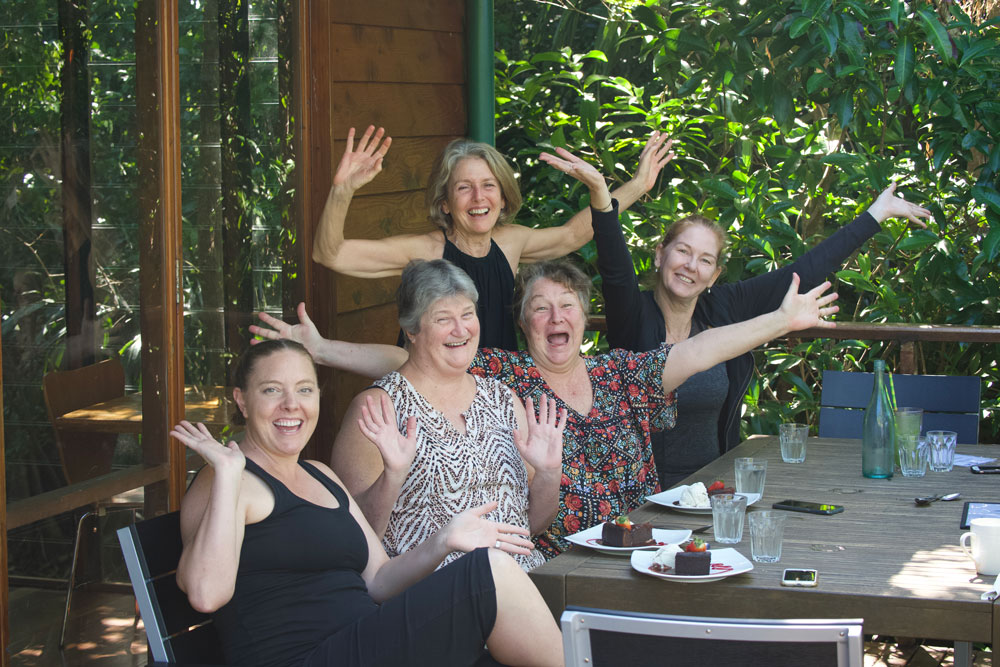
column 210, row 405
column 895, row 565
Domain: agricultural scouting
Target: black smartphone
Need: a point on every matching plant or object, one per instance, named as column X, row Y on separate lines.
column 803, row 506
column 985, row 470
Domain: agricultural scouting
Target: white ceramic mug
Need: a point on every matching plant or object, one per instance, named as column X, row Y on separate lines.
column 984, row 533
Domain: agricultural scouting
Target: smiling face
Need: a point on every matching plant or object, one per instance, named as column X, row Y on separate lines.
column 689, row 264
column 280, row 402
column 554, row 322
column 449, row 334
column 475, row 198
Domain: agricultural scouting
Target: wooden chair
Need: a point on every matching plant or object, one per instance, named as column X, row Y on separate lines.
column 176, row 632
column 949, row 402
column 85, row 455
column 599, row 637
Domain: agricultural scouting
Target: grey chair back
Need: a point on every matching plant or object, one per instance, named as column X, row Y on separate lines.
column 177, row 633
column 601, row 638
column 949, row 402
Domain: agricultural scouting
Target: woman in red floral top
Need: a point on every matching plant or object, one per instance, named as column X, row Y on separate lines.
column 615, row 401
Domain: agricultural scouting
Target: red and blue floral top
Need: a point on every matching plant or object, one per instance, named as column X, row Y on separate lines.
column 608, row 467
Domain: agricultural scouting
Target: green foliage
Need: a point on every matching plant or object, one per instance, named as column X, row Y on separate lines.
column 789, row 117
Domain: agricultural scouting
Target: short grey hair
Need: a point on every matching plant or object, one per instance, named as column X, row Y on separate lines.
column 424, row 282
column 558, row 271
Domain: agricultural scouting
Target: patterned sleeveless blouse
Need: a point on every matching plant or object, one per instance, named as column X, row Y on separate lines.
column 453, row 472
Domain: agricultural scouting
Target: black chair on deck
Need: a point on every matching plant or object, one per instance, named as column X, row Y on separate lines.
column 176, row 632
column 949, row 402
column 600, row 637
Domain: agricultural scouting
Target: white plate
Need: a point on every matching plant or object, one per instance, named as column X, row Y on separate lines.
column 667, row 498
column 739, row 563
column 591, row 538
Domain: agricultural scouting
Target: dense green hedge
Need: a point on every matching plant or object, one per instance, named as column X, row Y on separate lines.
column 790, row 116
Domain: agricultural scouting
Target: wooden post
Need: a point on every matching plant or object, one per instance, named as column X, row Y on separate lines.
column 158, row 114
column 908, row 357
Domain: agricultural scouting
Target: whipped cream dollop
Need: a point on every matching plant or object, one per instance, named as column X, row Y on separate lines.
column 666, row 556
column 695, row 495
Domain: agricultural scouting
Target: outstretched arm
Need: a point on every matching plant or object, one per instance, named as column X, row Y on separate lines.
column 360, row 257
column 887, row 205
column 372, row 360
column 552, row 242
column 708, row 348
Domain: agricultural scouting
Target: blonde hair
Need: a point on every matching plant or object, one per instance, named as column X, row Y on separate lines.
column 456, row 151
column 677, row 227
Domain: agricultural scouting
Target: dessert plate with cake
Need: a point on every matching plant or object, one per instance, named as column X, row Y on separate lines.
column 693, row 498
column 621, row 536
column 692, row 568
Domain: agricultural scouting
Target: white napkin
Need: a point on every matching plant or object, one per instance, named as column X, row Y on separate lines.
column 968, row 460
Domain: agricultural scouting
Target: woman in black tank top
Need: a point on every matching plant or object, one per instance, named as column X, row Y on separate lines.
column 294, row 575
column 473, row 198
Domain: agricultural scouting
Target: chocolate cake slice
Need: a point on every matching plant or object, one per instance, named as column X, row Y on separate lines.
column 626, row 535
column 693, row 563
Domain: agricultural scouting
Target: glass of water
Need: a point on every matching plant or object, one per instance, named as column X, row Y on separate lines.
column 727, row 517
column 792, row 438
column 767, row 529
column 750, row 475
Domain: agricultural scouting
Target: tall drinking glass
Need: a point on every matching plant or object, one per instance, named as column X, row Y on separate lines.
column 750, row 475
column 941, row 450
column 767, row 529
column 792, row 438
column 727, row 517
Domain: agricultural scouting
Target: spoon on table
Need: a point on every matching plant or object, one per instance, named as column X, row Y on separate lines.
column 927, row 500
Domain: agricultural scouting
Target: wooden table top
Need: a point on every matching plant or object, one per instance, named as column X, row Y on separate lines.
column 896, row 565
column 211, row 405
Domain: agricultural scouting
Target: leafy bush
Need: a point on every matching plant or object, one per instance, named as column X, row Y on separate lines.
column 789, row 116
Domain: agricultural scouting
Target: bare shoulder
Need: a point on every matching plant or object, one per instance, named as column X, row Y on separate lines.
column 375, row 393
column 326, row 470
column 427, row 245
column 512, row 238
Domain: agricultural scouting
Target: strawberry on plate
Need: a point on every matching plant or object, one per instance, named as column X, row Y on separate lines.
column 716, row 485
column 697, row 544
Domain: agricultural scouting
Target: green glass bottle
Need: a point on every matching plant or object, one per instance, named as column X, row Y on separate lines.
column 878, row 437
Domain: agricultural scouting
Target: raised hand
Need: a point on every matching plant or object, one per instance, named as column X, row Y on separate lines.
column 358, row 167
column 224, row 459
column 654, row 157
column 378, row 424
column 888, row 205
column 579, row 169
column 305, row 332
column 469, row 530
column 809, row 309
column 543, row 445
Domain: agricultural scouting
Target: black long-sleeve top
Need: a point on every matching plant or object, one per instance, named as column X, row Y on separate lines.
column 635, row 321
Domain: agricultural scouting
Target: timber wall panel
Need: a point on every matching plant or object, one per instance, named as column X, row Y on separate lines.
column 403, row 109
column 364, row 53
column 401, row 65
column 443, row 15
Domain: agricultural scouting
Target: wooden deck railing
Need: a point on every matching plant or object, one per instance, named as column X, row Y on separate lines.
column 907, row 335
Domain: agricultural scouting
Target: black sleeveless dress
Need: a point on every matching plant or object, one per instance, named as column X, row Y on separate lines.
column 495, row 282
column 300, row 599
